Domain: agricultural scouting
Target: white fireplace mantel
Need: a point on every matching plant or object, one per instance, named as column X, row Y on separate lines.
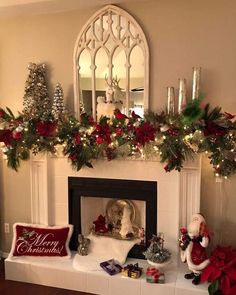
column 178, row 193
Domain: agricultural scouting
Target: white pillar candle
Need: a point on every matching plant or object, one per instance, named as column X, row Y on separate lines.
column 170, row 100
column 196, row 81
column 182, row 95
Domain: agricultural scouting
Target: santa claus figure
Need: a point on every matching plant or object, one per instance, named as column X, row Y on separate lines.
column 193, row 243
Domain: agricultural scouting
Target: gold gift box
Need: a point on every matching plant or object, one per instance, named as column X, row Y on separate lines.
column 132, row 271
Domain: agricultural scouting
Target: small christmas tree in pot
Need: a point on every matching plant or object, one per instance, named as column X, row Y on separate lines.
column 156, row 254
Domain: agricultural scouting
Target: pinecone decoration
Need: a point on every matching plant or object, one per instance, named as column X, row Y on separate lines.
column 110, row 153
column 36, row 100
column 58, row 107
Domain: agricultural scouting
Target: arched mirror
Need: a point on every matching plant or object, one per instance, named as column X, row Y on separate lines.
column 111, row 65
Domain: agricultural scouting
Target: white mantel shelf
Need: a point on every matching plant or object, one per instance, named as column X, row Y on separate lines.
column 61, row 274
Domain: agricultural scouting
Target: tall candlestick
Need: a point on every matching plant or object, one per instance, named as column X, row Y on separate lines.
column 182, row 95
column 196, row 81
column 170, row 100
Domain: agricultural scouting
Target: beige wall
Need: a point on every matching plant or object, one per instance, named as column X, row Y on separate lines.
column 181, row 34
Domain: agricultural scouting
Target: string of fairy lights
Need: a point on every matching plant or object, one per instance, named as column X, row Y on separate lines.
column 171, row 137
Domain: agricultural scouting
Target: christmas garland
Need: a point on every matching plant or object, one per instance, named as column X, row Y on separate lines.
column 173, row 138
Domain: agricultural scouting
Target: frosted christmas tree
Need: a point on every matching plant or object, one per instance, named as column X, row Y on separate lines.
column 58, row 107
column 156, row 253
column 36, row 101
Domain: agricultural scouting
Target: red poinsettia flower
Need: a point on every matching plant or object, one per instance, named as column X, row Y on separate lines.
column 214, row 129
column 102, row 133
column 97, row 127
column 46, row 129
column 118, row 131
column 72, row 157
column 222, row 267
column 1, row 113
column 77, row 139
column 17, row 135
column 173, row 131
column 145, row 133
column 6, row 136
column 119, row 115
column 99, row 140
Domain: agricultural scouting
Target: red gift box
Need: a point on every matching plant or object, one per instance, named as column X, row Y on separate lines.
column 153, row 274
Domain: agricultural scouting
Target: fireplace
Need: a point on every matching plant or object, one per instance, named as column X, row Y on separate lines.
column 178, row 197
column 133, row 190
column 178, row 193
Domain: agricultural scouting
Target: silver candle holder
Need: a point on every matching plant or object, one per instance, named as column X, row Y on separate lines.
column 182, row 95
column 196, row 82
column 170, row 100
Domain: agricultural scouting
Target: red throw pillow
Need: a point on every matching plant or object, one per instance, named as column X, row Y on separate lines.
column 39, row 240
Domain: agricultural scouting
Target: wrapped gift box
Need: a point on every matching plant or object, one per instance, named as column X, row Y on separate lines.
column 111, row 267
column 153, row 275
column 132, row 270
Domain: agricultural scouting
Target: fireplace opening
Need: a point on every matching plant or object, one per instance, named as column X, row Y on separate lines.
column 89, row 197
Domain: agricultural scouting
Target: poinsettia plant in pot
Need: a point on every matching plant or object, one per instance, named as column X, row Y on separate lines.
column 221, row 272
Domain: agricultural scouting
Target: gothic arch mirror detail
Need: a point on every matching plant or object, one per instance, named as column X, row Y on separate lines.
column 111, row 64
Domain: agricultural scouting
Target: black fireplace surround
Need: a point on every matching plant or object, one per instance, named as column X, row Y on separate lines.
column 117, row 189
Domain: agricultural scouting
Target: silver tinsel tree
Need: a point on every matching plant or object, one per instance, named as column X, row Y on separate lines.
column 156, row 253
column 58, row 107
column 36, row 101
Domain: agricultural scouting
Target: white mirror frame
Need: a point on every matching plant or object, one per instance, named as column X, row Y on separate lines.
column 84, row 40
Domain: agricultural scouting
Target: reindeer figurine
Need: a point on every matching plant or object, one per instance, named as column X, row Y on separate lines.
column 109, row 90
column 118, row 93
column 114, row 91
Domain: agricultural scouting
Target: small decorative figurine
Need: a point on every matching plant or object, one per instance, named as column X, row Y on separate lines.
column 132, row 270
column 193, row 243
column 111, row 267
column 126, row 224
column 141, row 234
column 100, row 225
column 156, row 253
column 153, row 275
column 83, row 245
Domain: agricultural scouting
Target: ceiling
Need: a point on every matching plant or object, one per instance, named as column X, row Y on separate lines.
column 27, row 7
